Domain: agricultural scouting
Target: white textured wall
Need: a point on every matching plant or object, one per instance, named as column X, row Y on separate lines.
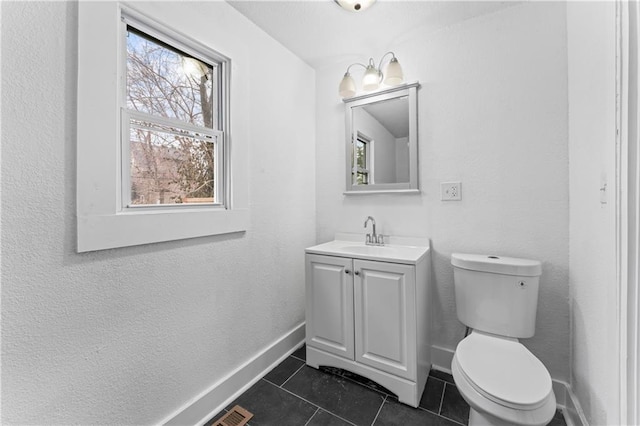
column 492, row 114
column 127, row 336
column 592, row 123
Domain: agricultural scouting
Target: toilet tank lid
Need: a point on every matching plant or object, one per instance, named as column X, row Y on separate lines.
column 497, row 264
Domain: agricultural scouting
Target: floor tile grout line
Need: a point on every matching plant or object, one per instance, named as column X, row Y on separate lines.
column 439, row 415
column 294, row 373
column 454, row 421
column 294, row 394
column 428, row 411
column 297, row 357
column 316, row 405
column 451, row 420
column 269, row 381
column 379, row 409
column 442, row 402
column 312, row 416
column 438, row 378
column 444, row 389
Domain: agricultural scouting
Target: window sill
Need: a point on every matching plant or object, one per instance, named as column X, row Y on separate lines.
column 100, row 232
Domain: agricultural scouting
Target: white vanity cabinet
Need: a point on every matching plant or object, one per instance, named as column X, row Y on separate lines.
column 370, row 317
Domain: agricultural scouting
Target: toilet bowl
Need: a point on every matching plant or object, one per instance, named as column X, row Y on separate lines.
column 503, row 382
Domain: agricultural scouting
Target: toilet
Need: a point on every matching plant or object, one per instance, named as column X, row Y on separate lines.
column 504, row 383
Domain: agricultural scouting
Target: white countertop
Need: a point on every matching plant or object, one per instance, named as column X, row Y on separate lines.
column 408, row 250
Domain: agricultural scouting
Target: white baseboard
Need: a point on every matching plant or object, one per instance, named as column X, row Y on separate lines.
column 441, row 358
column 573, row 413
column 203, row 407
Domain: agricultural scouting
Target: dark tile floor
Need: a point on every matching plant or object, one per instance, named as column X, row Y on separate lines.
column 293, row 394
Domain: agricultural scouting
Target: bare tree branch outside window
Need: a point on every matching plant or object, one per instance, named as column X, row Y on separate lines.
column 169, row 165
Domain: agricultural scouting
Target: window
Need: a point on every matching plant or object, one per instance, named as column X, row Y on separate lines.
column 361, row 160
column 172, row 139
column 154, row 158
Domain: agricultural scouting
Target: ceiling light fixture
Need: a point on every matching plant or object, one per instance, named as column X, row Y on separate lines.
column 355, row 5
column 373, row 76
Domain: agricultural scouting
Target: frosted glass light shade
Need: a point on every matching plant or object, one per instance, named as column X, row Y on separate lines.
column 347, row 86
column 371, row 79
column 393, row 74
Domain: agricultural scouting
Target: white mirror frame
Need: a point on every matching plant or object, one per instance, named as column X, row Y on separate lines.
column 410, row 91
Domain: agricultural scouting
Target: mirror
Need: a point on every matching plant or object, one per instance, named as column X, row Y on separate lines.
column 382, row 141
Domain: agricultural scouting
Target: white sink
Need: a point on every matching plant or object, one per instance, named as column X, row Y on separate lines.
column 348, row 246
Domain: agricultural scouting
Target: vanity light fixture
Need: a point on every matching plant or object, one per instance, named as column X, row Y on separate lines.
column 355, row 5
column 373, row 76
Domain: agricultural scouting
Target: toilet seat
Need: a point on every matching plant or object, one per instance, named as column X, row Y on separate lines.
column 502, row 415
column 504, row 371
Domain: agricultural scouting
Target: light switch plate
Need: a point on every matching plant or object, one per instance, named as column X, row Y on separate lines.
column 450, row 191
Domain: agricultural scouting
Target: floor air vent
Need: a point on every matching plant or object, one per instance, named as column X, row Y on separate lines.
column 237, row 416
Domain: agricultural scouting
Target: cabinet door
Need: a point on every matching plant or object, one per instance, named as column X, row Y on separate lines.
column 329, row 304
column 385, row 316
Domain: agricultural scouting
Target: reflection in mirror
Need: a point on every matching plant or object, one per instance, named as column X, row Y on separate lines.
column 361, row 157
column 382, row 141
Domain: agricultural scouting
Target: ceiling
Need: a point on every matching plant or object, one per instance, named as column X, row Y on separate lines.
column 321, row 32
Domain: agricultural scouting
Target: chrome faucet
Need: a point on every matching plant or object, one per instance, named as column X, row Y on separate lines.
column 373, row 239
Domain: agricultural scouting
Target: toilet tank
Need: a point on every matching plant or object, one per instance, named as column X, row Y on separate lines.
column 497, row 294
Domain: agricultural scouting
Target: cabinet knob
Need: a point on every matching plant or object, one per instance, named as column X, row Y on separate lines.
column 357, row 272
column 346, row 271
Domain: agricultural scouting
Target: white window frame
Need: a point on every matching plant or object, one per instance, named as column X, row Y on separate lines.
column 104, row 220
column 205, row 55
